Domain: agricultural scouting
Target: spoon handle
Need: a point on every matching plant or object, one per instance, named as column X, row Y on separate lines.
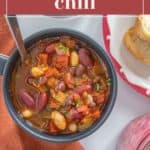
column 15, row 31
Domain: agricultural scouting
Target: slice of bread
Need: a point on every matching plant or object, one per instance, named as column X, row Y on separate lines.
column 138, row 47
column 142, row 27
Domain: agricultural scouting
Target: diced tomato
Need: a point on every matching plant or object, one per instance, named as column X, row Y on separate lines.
column 83, row 88
column 52, row 72
column 68, row 80
column 43, row 58
column 52, row 128
column 76, row 96
column 96, row 114
column 82, row 109
column 62, row 61
column 54, row 103
column 100, row 98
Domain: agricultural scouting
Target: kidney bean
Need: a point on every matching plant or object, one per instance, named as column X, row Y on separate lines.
column 83, row 88
column 72, row 70
column 85, row 57
column 50, row 49
column 80, row 70
column 61, row 86
column 74, row 114
column 41, row 101
column 26, row 98
column 69, row 100
column 92, row 104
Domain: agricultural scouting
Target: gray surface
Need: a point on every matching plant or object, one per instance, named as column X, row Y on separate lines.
column 129, row 103
column 90, row 25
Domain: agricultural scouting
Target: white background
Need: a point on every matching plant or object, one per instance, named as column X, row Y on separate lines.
column 129, row 103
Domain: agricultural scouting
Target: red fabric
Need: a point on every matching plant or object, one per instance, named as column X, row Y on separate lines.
column 101, row 7
column 11, row 136
column 106, row 32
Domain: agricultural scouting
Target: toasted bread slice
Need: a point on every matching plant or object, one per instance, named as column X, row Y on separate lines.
column 137, row 46
column 142, row 27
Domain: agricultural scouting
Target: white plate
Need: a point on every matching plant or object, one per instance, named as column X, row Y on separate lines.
column 132, row 70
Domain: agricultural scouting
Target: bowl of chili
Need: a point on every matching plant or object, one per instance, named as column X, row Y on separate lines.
column 64, row 90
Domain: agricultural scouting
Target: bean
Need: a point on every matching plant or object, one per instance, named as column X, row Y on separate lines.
column 80, row 70
column 41, row 101
column 83, row 88
column 50, row 49
column 69, row 100
column 92, row 104
column 72, row 127
column 74, row 114
column 61, row 86
column 26, row 98
column 59, row 120
column 72, row 70
column 85, row 57
column 27, row 113
column 74, row 59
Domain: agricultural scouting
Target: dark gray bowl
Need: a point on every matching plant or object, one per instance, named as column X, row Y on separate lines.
column 7, row 65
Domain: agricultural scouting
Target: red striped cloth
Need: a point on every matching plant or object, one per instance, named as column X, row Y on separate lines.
column 11, row 136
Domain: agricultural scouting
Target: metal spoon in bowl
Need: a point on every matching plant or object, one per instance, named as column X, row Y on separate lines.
column 16, row 33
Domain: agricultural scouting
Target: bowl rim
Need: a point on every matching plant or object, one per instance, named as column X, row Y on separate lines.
column 69, row 137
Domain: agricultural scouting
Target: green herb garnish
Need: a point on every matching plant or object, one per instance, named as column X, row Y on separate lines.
column 62, row 47
column 56, row 97
column 48, row 109
column 97, row 87
column 66, row 94
column 78, row 102
column 46, row 89
column 108, row 82
column 63, row 104
column 57, row 107
column 65, row 112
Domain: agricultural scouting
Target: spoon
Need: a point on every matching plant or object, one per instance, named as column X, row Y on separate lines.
column 15, row 31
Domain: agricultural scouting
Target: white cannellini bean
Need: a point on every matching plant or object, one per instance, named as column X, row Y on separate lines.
column 72, row 127
column 59, row 120
column 74, row 59
column 27, row 113
column 89, row 99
